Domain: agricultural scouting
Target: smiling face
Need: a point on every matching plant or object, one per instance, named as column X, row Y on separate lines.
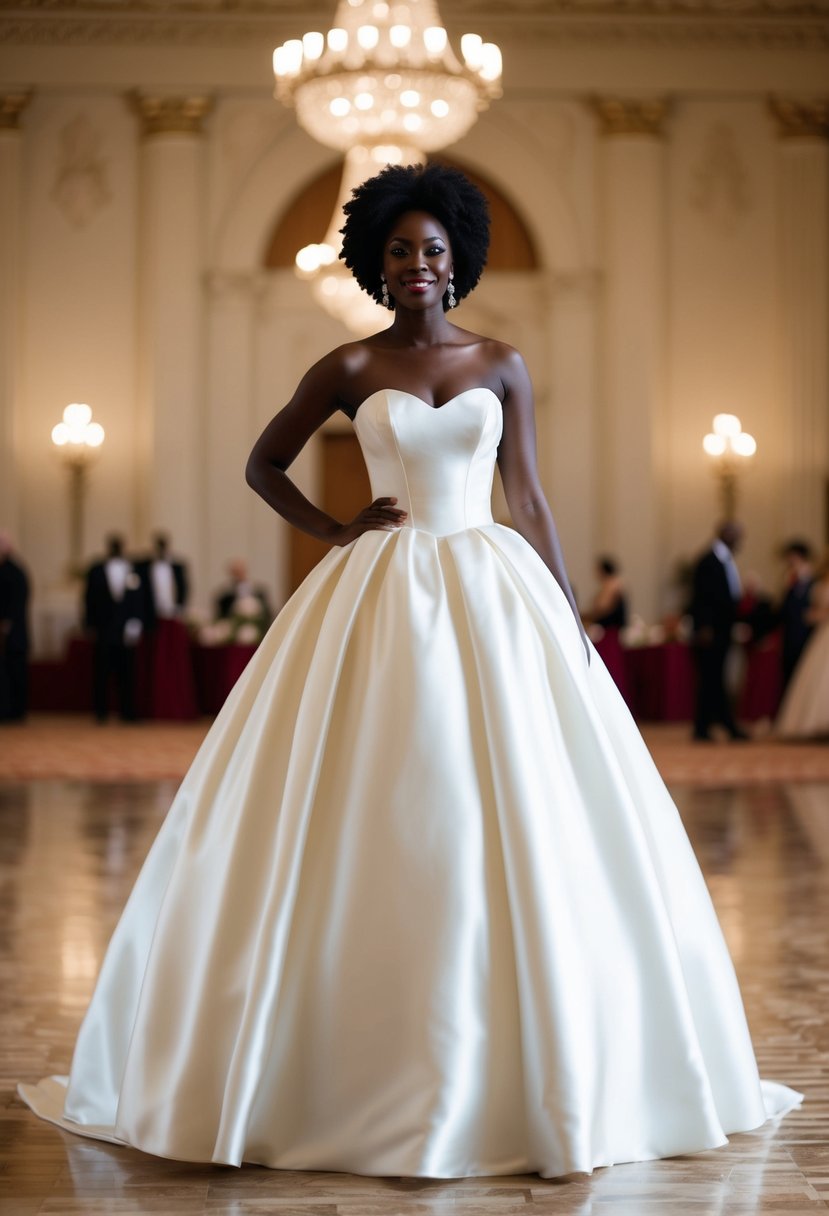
column 417, row 261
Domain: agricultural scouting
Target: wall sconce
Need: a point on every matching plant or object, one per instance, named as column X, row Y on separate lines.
column 77, row 440
column 728, row 445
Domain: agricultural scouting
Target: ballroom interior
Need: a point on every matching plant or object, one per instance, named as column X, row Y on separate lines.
column 658, row 179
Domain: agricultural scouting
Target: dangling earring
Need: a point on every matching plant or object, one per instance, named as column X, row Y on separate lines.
column 385, row 293
column 450, row 291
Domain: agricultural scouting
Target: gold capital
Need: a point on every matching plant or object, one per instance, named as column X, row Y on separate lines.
column 801, row 119
column 12, row 106
column 630, row 115
column 166, row 115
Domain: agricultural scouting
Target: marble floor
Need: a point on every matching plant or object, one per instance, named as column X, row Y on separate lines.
column 69, row 852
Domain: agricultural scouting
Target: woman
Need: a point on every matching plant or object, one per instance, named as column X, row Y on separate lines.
column 606, row 616
column 422, row 905
column 804, row 712
column 609, row 608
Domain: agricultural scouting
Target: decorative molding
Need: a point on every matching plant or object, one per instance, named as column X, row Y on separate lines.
column 80, row 188
column 700, row 23
column 12, row 106
column 169, row 115
column 630, row 115
column 801, row 119
column 452, row 10
column 719, row 189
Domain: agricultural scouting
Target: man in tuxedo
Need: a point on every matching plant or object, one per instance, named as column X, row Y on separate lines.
column 794, row 606
column 114, row 613
column 241, row 588
column 714, row 599
column 166, row 587
column 14, row 634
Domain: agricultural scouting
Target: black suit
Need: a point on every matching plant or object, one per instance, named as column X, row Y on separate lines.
column 714, row 612
column 180, row 581
column 14, row 640
column 226, row 599
column 796, row 628
column 106, row 617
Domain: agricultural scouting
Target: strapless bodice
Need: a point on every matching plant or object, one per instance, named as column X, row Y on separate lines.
column 438, row 461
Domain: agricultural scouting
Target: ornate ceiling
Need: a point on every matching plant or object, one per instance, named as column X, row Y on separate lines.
column 239, row 22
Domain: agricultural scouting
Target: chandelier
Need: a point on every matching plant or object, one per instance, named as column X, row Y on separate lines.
column 385, row 87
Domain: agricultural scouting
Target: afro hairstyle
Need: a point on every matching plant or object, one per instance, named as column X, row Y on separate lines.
column 445, row 193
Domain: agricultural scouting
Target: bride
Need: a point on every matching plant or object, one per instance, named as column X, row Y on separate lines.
column 422, row 904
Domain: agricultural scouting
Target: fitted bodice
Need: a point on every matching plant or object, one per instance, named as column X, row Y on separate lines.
column 437, row 461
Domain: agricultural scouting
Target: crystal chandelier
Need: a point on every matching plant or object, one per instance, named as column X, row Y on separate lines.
column 385, row 87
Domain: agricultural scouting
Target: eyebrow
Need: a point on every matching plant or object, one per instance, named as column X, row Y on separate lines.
column 401, row 240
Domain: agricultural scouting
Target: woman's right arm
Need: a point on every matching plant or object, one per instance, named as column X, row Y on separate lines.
column 315, row 400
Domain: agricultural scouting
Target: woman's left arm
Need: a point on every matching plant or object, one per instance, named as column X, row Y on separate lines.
column 518, row 465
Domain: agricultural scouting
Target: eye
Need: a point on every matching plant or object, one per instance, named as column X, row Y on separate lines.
column 434, row 250
column 397, row 252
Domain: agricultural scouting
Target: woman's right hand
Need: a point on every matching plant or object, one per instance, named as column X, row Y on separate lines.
column 382, row 515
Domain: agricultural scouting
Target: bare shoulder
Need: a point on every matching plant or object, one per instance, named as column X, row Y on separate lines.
column 508, row 365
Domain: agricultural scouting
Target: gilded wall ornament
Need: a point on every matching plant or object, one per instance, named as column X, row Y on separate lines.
column 80, row 187
column 630, row 115
column 801, row 119
column 719, row 183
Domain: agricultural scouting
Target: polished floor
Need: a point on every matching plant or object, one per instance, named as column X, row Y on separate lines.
column 68, row 853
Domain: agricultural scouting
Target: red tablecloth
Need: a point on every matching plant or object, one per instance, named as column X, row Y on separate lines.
column 656, row 681
column 763, row 683
column 661, row 682
column 165, row 685
column 614, row 658
column 217, row 669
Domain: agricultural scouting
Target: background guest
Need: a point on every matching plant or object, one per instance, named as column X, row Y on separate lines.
column 241, row 588
column 114, row 613
column 166, row 585
column 793, row 611
column 609, row 608
column 165, row 684
column 715, row 595
column 605, row 617
column 14, row 634
column 804, row 712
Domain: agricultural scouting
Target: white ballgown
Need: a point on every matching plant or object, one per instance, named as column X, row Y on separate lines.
column 804, row 712
column 422, row 904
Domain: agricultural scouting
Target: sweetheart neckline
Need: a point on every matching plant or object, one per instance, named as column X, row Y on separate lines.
column 479, row 388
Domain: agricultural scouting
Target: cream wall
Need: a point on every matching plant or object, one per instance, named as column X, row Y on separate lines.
column 136, row 285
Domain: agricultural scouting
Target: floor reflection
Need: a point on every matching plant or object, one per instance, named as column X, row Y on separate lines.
column 69, row 852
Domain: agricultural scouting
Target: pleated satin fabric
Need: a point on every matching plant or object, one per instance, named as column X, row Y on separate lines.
column 422, row 904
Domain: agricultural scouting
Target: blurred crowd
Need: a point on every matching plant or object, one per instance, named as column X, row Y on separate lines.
column 724, row 607
column 136, row 614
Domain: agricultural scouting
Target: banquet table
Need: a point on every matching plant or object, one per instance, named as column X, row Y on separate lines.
column 656, row 681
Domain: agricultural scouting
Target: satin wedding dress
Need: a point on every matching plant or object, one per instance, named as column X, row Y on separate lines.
column 422, row 904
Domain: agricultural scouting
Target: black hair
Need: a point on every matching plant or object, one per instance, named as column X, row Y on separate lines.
column 800, row 547
column 445, row 193
column 607, row 565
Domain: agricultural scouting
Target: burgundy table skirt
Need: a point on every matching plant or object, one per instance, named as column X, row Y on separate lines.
column 175, row 680
column 657, row 682
column 661, row 682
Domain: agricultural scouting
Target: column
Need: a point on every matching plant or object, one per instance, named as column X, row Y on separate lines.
column 630, row 437
column 231, row 425
column 803, row 318
column 572, row 437
column 170, row 425
column 12, row 105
